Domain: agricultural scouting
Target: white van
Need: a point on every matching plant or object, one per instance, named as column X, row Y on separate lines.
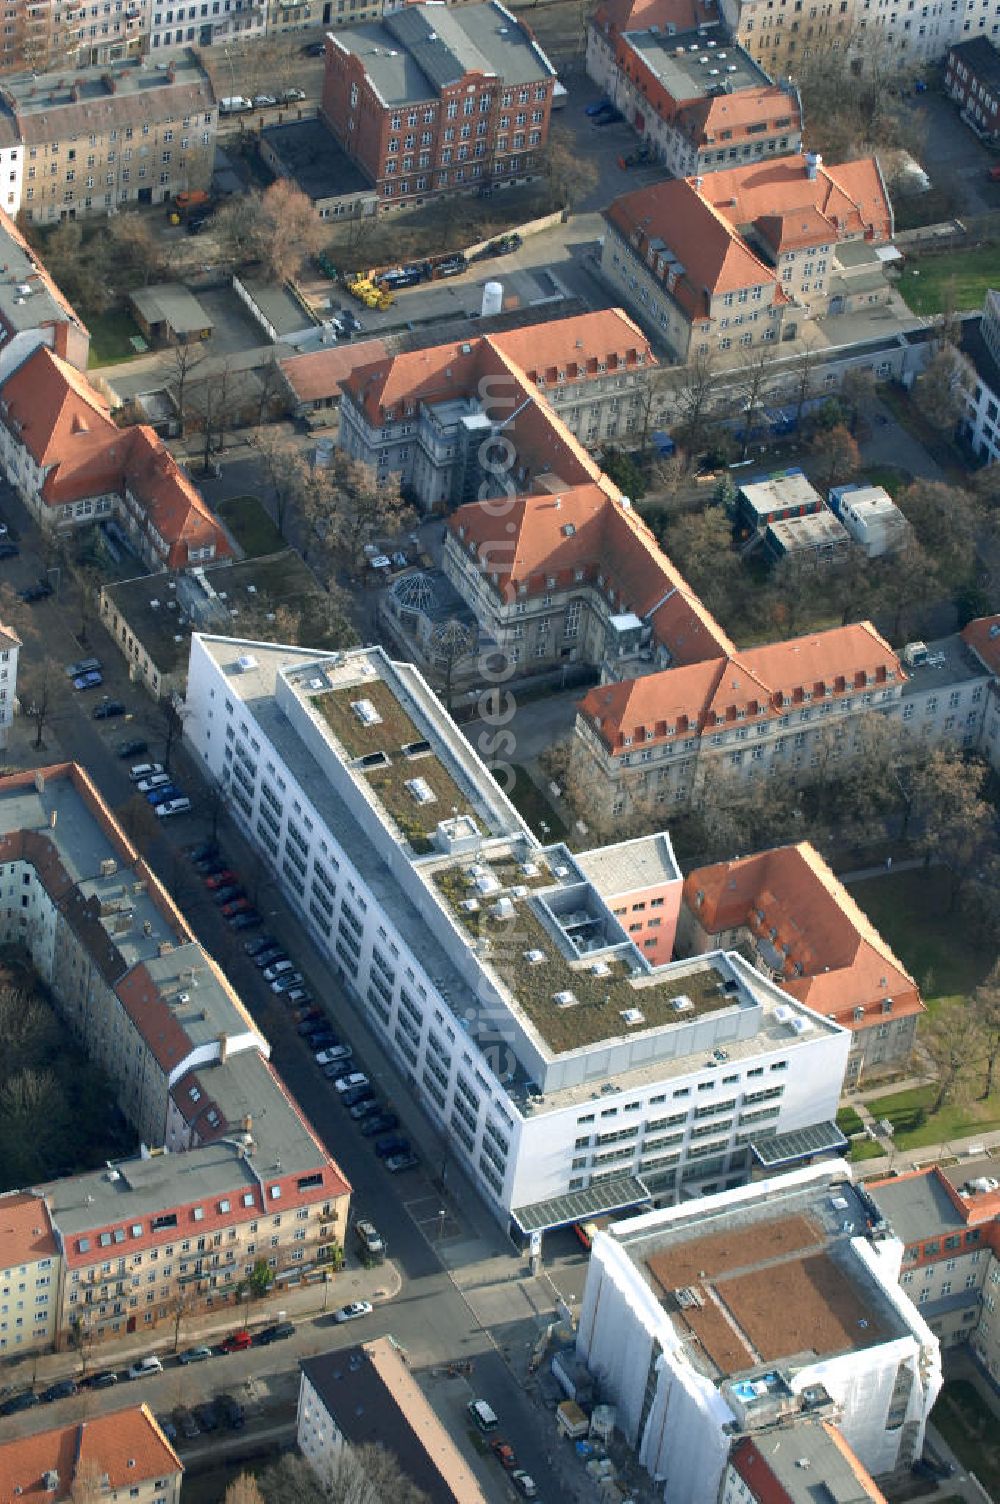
column 483, row 1415
column 235, row 104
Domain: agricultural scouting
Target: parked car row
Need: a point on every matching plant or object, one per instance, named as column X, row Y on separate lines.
column 223, row 886
column 161, row 793
column 143, row 1368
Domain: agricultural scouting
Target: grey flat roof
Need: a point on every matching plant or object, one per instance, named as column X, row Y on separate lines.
column 917, row 1207
column 630, row 864
column 559, row 1211
column 800, row 1143
column 691, row 65
column 960, row 664
column 83, row 847
column 197, row 596
column 40, row 304
column 278, row 306
column 809, row 1465
column 145, row 1187
column 413, row 53
column 767, row 492
column 171, row 303
column 811, row 531
column 311, row 155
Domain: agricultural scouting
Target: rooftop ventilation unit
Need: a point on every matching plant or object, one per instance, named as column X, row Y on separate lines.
column 682, row 1004
column 565, row 999
column 421, row 790
column 246, row 663
column 316, row 684
column 534, row 957
column 688, row 1298
column 529, row 869
column 469, row 905
column 600, row 969
column 632, row 1016
column 366, row 712
column 519, row 891
column 503, row 909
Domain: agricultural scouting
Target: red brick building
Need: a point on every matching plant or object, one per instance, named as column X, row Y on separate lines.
column 431, row 100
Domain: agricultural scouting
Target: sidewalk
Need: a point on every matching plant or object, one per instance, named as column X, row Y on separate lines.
column 378, row 1285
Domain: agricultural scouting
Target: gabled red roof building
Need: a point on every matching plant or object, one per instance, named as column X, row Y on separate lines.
column 723, row 264
column 71, row 465
column 806, row 931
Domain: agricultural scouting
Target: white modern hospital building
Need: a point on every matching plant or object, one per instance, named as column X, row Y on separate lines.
column 526, row 993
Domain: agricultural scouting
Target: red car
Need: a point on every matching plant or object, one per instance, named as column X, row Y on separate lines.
column 236, row 906
column 221, row 879
column 237, row 1342
column 504, row 1454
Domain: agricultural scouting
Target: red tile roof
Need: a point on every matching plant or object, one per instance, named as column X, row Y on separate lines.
column 614, row 16
column 66, row 427
column 323, row 372
column 849, row 199
column 705, row 226
column 835, row 960
column 576, row 346
column 758, row 682
column 25, row 1230
column 126, row 1445
column 713, row 258
column 983, row 637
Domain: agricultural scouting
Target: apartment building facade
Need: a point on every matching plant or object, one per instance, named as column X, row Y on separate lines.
column 736, row 260
column 230, row 1173
column 10, row 647
column 405, row 862
column 788, row 910
column 87, row 145
column 207, row 23
column 46, row 34
column 30, row 1261
column 433, row 100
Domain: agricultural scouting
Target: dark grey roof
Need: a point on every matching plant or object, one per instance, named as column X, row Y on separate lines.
column 981, row 58
column 311, row 156
column 975, row 347
column 917, row 1207
column 607, row 1196
column 810, row 1467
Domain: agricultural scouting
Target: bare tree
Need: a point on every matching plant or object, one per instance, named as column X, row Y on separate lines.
column 950, row 1040
column 752, row 387
column 986, row 1005
column 42, row 694
column 246, row 1490
column 181, row 364
column 289, row 230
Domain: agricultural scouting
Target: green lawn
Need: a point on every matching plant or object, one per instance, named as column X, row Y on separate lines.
column 958, row 280
column 910, row 909
column 890, row 477
column 109, row 337
column 866, row 1148
column 955, row 1119
column 250, row 525
column 972, row 1431
column 849, row 1121
column 533, row 806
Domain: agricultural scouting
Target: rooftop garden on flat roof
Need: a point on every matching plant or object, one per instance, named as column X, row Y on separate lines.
column 578, row 1002
column 398, row 764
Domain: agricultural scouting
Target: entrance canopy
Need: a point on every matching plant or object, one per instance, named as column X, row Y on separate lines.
column 800, row 1143
column 579, row 1206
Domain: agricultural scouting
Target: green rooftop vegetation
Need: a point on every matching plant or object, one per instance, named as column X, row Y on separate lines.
column 417, row 821
column 393, row 729
column 600, row 1000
